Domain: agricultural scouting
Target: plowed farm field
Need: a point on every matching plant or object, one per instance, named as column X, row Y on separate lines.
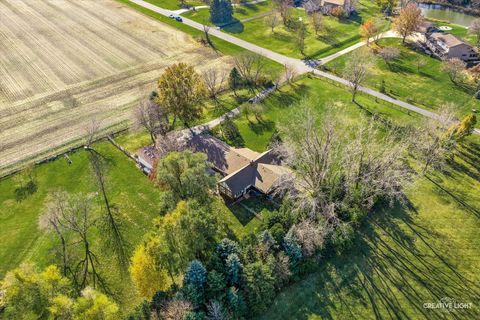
column 64, row 63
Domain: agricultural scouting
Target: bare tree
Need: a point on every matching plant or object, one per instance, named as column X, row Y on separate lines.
column 317, row 21
column 214, row 81
column 434, row 141
column 454, row 68
column 73, row 214
column 111, row 222
column 216, row 311
column 314, row 153
column 272, row 21
column 284, row 8
column 408, row 21
column 309, row 235
column 301, row 34
column 151, row 117
column 176, row 309
column 388, row 54
column 206, row 32
column 374, row 166
column 290, row 73
column 356, row 70
column 250, row 66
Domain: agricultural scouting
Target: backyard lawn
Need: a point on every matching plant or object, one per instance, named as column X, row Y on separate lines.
column 136, row 198
column 429, row 87
column 283, row 103
column 403, row 257
column 336, row 34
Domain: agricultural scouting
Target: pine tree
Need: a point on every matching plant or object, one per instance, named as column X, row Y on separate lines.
column 194, row 283
column 235, row 80
column 221, row 11
column 234, row 269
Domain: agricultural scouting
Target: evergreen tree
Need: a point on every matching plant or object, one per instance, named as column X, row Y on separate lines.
column 235, row 80
column 236, row 303
column 233, row 269
column 226, row 247
column 216, row 285
column 194, row 283
column 259, row 286
column 221, row 11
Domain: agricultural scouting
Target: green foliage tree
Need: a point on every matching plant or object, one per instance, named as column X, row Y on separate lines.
column 216, row 285
column 235, row 80
column 227, row 247
column 194, row 283
column 95, row 305
column 233, row 269
column 185, row 175
column 181, row 91
column 221, row 11
column 236, row 303
column 259, row 286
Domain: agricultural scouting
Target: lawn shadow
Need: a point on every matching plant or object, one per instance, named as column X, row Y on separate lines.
column 395, row 262
column 236, row 26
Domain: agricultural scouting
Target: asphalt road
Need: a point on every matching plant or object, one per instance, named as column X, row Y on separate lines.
column 298, row 64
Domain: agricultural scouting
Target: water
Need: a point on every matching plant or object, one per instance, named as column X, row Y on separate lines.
column 440, row 12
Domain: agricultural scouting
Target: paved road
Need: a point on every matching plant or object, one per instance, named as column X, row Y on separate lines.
column 298, row 64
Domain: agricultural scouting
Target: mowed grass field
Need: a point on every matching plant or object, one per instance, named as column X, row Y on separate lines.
column 66, row 62
column 428, row 86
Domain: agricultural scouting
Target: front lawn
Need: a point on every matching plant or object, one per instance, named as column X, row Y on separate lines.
column 429, row 87
column 174, row 4
column 283, row 102
column 336, row 35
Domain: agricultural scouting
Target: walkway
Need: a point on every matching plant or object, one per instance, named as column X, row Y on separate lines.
column 298, row 64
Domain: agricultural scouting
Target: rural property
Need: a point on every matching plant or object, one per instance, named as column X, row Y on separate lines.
column 64, row 63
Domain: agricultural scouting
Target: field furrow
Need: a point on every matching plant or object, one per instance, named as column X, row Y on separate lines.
column 64, row 63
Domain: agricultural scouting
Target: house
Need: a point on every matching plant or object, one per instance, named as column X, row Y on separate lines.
column 326, row 6
column 242, row 169
column 447, row 46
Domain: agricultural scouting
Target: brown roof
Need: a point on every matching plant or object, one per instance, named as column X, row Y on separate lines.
column 448, row 39
column 262, row 173
column 223, row 157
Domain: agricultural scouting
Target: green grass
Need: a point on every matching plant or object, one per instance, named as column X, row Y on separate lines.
column 249, row 221
column 428, row 88
column 403, row 257
column 174, row 4
column 239, row 13
column 337, row 34
column 280, row 105
column 133, row 194
column 137, row 199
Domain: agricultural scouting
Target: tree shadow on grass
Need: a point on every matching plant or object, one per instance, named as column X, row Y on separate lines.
column 395, row 266
column 236, row 26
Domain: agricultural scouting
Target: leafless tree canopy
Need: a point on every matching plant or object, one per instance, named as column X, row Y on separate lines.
column 150, row 116
column 272, row 21
column 250, row 66
column 389, row 54
column 433, row 141
column 214, row 81
column 454, row 68
column 176, row 310
column 356, row 69
column 333, row 171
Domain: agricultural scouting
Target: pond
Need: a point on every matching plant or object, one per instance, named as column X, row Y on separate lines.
column 440, row 12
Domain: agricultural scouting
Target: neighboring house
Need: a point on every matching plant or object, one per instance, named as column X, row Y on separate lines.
column 326, row 6
column 447, row 46
column 242, row 169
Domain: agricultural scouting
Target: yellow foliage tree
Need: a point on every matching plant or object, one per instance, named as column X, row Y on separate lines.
column 146, row 276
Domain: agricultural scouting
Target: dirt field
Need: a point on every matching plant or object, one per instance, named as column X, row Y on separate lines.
column 65, row 62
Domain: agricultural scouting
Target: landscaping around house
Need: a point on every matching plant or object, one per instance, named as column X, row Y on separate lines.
column 426, row 86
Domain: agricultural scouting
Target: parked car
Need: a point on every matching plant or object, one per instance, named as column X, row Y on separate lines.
column 172, row 16
column 178, row 18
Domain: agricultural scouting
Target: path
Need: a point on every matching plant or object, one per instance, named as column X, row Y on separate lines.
column 298, row 64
